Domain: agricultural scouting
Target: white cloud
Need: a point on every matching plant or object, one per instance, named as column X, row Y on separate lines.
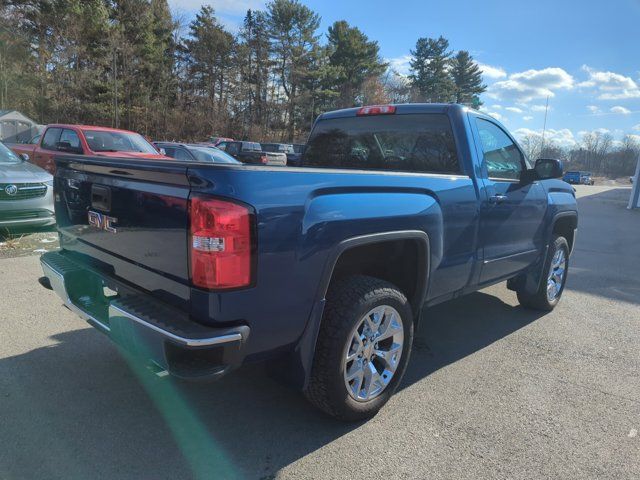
column 593, row 109
column 526, row 118
column 232, row 7
column 610, row 85
column 637, row 127
column 620, row 110
column 601, row 131
column 491, row 72
column 563, row 138
column 496, row 107
column 400, row 64
column 513, row 109
column 529, row 85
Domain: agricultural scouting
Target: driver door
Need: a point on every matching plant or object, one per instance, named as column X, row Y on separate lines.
column 511, row 213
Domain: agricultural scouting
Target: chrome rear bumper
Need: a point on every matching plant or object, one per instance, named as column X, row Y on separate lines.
column 141, row 324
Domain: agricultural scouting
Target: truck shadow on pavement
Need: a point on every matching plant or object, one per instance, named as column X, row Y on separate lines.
column 77, row 410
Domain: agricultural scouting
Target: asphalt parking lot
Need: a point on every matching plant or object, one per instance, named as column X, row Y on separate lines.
column 492, row 390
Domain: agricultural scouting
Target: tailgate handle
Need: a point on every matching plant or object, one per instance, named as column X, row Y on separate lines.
column 101, row 197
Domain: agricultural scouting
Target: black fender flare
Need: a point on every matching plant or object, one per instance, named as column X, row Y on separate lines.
column 558, row 216
column 304, row 351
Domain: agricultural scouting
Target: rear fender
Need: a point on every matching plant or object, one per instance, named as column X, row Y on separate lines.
column 304, row 352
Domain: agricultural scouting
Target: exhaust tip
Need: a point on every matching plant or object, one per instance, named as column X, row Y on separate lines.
column 44, row 281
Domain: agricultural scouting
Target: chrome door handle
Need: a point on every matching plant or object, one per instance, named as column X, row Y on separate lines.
column 497, row 198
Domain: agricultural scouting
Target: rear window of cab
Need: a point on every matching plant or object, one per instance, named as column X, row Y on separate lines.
column 409, row 142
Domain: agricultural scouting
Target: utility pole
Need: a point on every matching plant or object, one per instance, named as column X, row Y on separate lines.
column 544, row 126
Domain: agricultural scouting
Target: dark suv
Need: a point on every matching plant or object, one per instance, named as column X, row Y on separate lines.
column 251, row 152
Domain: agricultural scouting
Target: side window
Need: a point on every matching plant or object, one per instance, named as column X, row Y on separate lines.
column 182, row 154
column 169, row 151
column 51, row 138
column 233, row 148
column 502, row 156
column 71, row 137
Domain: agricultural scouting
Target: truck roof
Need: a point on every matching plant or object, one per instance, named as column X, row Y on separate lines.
column 401, row 108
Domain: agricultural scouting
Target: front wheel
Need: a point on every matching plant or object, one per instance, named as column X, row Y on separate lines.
column 554, row 278
column 363, row 348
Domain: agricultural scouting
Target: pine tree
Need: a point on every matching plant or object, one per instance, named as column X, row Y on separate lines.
column 467, row 78
column 355, row 59
column 253, row 57
column 294, row 43
column 430, row 74
column 207, row 53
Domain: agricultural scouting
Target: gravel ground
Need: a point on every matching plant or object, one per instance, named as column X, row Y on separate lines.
column 21, row 244
column 492, row 391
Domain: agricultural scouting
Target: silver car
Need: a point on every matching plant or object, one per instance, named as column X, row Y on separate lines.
column 26, row 193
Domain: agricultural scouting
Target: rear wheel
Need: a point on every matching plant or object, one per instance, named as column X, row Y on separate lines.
column 363, row 348
column 552, row 284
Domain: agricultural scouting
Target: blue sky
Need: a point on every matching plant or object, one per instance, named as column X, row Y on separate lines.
column 584, row 55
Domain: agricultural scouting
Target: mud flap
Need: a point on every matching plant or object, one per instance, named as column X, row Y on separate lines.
column 529, row 281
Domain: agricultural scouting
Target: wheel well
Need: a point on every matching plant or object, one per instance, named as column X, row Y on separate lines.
column 401, row 262
column 566, row 227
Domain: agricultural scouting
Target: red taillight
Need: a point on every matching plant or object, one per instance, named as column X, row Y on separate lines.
column 220, row 241
column 264, row 159
column 377, row 110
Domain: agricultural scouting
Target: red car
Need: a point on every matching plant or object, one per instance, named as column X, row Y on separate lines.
column 85, row 140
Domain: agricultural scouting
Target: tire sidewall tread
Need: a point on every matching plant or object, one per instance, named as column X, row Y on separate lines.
column 348, row 300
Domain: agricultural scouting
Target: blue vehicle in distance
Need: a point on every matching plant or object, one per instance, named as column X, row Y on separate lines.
column 326, row 269
column 578, row 178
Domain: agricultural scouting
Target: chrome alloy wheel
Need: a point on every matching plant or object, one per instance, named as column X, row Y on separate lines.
column 373, row 353
column 557, row 272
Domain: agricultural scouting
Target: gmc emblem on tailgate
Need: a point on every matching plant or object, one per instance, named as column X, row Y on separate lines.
column 102, row 222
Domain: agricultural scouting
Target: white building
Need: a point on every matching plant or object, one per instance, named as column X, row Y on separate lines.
column 16, row 127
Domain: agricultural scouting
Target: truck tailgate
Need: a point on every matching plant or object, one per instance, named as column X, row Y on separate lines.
column 129, row 216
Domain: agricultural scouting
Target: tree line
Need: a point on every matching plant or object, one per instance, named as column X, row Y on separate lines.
column 596, row 152
column 131, row 64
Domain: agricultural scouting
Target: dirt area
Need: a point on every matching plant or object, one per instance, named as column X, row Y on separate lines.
column 22, row 244
column 611, row 182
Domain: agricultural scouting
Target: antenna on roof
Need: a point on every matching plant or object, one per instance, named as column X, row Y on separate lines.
column 544, row 126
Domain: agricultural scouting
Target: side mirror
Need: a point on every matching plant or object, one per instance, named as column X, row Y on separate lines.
column 24, row 157
column 162, row 151
column 66, row 147
column 547, row 168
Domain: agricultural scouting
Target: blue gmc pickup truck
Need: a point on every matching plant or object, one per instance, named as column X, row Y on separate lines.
column 326, row 269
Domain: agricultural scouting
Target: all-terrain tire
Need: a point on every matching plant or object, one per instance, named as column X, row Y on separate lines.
column 540, row 300
column 348, row 301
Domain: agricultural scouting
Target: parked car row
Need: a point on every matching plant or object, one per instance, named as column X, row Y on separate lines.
column 26, row 197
